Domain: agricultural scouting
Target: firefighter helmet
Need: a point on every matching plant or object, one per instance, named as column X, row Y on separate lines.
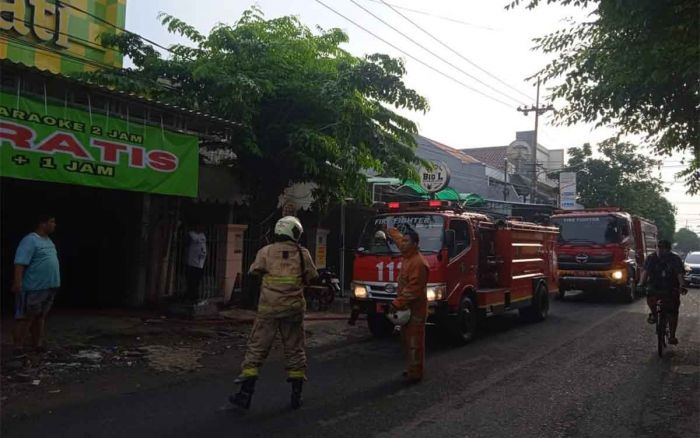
column 399, row 317
column 289, row 226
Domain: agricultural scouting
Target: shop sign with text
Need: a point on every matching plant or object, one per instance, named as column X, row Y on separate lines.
column 47, row 142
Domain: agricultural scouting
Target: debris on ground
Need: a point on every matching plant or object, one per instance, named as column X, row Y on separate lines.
column 173, row 359
column 89, row 356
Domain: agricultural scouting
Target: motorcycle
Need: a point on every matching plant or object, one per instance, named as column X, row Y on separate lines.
column 323, row 289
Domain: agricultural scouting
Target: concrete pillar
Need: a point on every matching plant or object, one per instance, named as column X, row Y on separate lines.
column 232, row 257
column 318, row 246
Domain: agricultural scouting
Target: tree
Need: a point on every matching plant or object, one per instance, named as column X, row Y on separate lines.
column 633, row 65
column 686, row 241
column 310, row 111
column 622, row 178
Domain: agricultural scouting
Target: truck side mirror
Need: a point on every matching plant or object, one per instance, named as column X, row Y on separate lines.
column 450, row 237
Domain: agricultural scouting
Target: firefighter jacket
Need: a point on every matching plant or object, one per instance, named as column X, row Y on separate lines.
column 413, row 279
column 286, row 268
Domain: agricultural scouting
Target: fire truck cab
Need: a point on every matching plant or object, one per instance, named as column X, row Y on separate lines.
column 602, row 249
column 478, row 266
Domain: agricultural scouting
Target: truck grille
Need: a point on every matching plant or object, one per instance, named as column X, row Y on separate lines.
column 594, row 262
column 380, row 292
column 695, row 271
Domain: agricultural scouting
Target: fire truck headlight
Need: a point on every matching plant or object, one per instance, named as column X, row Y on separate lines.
column 436, row 293
column 359, row 291
column 617, row 275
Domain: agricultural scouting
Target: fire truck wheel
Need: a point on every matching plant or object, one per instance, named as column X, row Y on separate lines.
column 379, row 326
column 463, row 324
column 539, row 310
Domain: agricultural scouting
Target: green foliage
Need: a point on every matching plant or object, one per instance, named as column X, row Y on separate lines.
column 311, row 112
column 686, row 241
column 633, row 65
column 622, row 178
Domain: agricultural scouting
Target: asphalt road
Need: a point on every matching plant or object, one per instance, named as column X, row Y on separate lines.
column 590, row 370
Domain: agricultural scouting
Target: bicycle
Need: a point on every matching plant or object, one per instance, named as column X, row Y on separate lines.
column 663, row 333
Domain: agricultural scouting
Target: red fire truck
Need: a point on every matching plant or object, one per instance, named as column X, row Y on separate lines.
column 602, row 249
column 478, row 266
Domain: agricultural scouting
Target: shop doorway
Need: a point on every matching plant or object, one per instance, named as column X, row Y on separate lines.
column 96, row 236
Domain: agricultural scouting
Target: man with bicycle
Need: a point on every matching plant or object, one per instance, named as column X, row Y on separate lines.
column 663, row 278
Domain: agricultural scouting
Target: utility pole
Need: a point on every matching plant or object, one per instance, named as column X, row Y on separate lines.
column 505, row 179
column 342, row 244
column 537, row 109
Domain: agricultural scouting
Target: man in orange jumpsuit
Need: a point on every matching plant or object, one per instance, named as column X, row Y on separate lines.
column 412, row 294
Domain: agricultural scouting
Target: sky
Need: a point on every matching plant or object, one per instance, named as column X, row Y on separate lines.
column 494, row 44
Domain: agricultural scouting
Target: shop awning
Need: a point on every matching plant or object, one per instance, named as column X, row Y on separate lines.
column 447, row 194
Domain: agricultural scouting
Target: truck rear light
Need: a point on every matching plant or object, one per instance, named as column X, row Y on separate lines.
column 434, row 203
column 394, row 205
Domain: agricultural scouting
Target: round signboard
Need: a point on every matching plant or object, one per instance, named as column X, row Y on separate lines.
column 436, row 179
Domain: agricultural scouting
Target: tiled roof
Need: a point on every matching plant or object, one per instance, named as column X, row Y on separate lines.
column 456, row 153
column 491, row 156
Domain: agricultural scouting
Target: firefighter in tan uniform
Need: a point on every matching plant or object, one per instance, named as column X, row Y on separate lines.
column 411, row 294
column 286, row 267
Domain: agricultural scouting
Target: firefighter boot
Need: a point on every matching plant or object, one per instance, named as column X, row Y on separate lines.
column 297, row 385
column 243, row 397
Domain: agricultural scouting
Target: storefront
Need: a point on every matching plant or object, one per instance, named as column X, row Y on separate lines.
column 122, row 176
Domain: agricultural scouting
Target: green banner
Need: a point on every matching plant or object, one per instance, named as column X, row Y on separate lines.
column 47, row 142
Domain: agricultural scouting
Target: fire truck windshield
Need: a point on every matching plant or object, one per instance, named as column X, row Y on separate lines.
column 428, row 226
column 598, row 230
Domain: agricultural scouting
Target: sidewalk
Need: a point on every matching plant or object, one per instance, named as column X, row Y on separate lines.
column 97, row 353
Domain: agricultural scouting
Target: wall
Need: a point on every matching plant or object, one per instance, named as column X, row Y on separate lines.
column 33, row 39
column 466, row 177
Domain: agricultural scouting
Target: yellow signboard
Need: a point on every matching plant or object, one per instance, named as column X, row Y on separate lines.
column 60, row 36
column 321, row 245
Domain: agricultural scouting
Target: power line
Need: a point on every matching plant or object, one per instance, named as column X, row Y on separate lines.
column 430, row 52
column 91, row 44
column 454, row 51
column 108, row 23
column 84, row 61
column 452, row 78
column 441, row 17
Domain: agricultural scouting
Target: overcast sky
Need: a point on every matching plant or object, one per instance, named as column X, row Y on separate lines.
column 482, row 31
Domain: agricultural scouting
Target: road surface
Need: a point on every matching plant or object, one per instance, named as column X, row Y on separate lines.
column 590, row 370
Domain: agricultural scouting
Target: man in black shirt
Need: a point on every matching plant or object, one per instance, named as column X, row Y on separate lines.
column 663, row 277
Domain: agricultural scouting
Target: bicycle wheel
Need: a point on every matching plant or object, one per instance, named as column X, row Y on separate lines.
column 661, row 334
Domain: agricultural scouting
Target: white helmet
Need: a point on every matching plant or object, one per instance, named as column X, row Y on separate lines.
column 289, row 226
column 380, row 235
column 399, row 317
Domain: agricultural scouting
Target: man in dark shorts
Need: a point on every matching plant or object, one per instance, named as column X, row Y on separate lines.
column 36, row 279
column 663, row 277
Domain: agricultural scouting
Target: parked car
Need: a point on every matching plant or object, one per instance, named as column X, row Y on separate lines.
column 692, row 269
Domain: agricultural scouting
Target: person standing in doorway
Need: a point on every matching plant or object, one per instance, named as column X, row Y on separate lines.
column 196, row 256
column 37, row 277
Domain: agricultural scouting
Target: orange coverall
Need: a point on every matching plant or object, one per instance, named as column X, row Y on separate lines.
column 412, row 294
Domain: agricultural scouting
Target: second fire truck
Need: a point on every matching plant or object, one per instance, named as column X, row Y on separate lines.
column 478, row 266
column 602, row 249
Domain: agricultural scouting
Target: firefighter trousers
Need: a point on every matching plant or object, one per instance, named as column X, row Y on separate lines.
column 262, row 335
column 413, row 343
